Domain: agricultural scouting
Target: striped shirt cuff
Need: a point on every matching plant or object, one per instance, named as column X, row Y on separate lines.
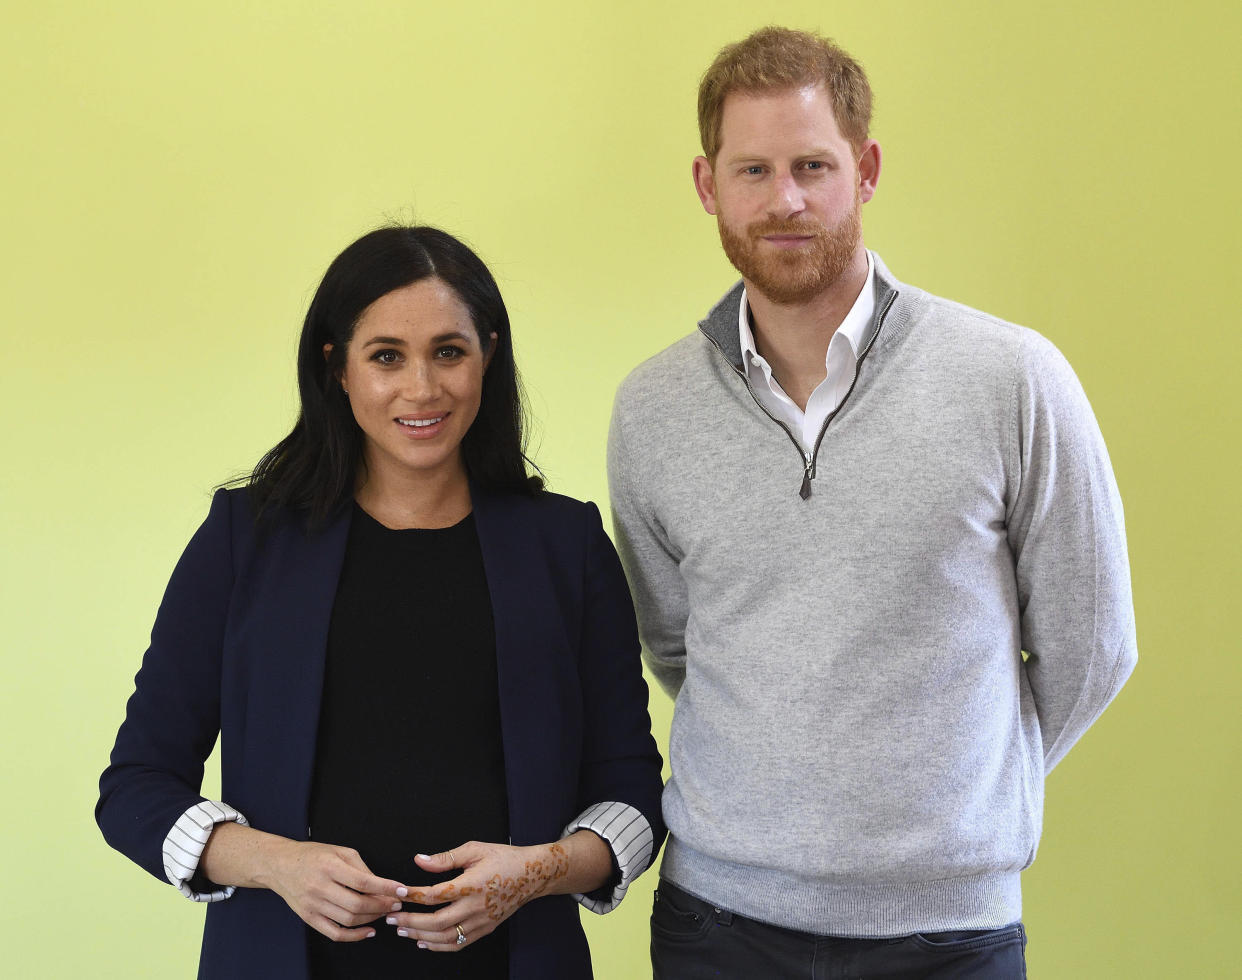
column 629, row 835
column 183, row 847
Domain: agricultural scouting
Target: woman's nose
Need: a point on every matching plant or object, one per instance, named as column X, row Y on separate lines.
column 420, row 384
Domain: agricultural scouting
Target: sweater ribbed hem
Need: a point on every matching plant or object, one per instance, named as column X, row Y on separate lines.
column 847, row 909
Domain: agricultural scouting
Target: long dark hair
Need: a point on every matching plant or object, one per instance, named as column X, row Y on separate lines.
column 314, row 468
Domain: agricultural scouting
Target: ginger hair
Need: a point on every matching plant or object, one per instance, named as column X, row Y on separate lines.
column 775, row 59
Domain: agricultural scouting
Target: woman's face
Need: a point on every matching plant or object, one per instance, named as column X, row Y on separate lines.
column 414, row 375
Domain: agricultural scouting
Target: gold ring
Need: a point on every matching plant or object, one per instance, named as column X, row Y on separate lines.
column 461, row 936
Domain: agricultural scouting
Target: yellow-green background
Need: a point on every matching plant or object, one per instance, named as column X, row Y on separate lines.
column 176, row 176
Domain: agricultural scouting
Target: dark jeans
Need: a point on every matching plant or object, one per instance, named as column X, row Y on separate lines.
column 691, row 939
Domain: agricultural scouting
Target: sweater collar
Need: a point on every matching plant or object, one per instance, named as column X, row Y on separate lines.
column 720, row 326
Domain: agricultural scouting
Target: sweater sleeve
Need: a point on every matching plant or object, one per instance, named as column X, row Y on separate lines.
column 650, row 561
column 1067, row 533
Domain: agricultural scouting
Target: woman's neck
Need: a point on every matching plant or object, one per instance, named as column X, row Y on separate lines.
column 424, row 500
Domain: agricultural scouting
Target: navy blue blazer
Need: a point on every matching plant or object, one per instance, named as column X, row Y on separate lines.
column 238, row 650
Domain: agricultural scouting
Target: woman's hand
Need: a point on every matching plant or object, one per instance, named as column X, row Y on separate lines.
column 332, row 890
column 329, row 887
column 497, row 881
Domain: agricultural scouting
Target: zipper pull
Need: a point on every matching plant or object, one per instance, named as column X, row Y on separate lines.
column 805, row 491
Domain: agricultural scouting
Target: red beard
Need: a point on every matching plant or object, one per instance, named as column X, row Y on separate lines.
column 794, row 276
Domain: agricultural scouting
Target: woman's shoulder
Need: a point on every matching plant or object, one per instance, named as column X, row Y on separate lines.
column 547, row 506
column 235, row 506
column 235, row 512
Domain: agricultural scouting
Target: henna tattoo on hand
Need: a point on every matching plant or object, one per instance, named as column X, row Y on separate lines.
column 506, row 894
column 441, row 894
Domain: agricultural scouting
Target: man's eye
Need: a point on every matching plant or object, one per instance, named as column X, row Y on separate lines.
column 753, row 171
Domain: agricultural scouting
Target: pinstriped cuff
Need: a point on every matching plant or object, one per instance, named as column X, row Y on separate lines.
column 183, row 847
column 629, row 835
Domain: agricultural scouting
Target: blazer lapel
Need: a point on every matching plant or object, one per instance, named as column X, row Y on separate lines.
column 296, row 596
column 533, row 665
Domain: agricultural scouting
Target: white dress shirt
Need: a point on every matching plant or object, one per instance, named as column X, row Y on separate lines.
column 839, row 364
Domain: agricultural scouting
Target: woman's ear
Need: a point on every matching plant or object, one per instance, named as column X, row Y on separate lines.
column 491, row 349
column 339, row 375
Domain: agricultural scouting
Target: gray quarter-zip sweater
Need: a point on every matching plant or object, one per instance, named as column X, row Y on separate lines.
column 858, row 744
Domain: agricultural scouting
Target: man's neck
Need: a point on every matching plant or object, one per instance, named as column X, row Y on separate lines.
column 794, row 338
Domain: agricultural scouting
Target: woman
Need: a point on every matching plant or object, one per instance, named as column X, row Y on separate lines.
column 423, row 668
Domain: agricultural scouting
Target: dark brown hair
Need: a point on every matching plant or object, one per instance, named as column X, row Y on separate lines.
column 312, row 470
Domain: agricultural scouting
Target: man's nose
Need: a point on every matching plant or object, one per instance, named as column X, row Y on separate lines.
column 787, row 197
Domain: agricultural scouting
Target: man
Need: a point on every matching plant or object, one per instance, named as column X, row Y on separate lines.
column 879, row 560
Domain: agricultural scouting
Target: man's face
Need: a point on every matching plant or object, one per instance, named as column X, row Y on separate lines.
column 787, row 191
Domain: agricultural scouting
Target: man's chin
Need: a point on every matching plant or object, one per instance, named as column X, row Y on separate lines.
column 789, row 285
column 786, row 294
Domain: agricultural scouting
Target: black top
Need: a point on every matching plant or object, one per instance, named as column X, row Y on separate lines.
column 409, row 756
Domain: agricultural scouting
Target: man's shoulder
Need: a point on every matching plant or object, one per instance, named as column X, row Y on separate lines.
column 984, row 352
column 968, row 322
column 965, row 332
column 667, row 374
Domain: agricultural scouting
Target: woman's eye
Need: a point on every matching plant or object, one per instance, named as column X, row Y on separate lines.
column 449, row 353
column 386, row 356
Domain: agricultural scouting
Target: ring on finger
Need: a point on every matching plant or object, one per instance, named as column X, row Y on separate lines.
column 461, row 936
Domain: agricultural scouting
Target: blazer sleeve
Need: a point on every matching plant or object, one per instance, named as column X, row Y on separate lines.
column 620, row 761
column 173, row 717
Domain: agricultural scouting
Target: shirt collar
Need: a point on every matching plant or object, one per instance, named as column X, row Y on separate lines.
column 852, row 328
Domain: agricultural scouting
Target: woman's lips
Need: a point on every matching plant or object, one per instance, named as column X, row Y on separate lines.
column 421, row 426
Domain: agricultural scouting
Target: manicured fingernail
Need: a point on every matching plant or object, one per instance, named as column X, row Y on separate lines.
column 402, row 933
column 371, row 934
column 396, row 907
column 425, row 857
column 402, row 891
column 422, row 945
column 391, row 921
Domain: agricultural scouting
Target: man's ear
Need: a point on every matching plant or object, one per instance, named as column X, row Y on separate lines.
column 704, row 183
column 869, row 170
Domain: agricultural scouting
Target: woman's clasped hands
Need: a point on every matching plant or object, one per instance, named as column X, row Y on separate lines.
column 334, row 892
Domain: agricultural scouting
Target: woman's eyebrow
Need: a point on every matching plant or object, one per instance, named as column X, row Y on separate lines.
column 453, row 335
column 439, row 339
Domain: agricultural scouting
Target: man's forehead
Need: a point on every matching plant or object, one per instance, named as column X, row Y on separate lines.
column 806, row 94
column 753, row 121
